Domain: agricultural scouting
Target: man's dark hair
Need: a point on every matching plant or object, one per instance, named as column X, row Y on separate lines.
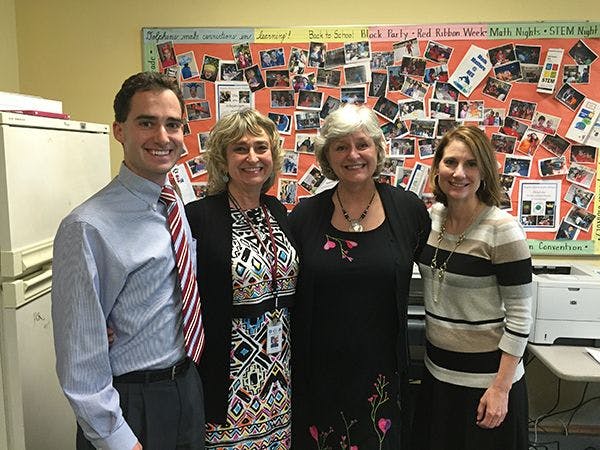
column 143, row 81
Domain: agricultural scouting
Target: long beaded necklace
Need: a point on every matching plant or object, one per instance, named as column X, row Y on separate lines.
column 355, row 224
column 439, row 271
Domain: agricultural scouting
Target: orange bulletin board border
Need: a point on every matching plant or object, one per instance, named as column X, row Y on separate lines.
column 218, row 43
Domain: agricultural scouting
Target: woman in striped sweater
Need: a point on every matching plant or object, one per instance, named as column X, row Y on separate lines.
column 476, row 270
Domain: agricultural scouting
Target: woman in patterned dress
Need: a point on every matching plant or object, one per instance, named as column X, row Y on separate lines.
column 247, row 269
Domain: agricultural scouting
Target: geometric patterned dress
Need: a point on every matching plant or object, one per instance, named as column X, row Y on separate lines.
column 259, row 411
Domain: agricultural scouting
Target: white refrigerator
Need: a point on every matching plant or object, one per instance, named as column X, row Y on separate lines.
column 47, row 167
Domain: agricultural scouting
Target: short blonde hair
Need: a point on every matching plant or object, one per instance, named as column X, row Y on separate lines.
column 343, row 121
column 230, row 129
column 476, row 140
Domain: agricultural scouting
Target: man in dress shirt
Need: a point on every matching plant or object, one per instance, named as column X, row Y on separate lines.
column 114, row 267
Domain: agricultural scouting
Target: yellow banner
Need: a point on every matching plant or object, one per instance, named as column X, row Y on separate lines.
column 310, row 34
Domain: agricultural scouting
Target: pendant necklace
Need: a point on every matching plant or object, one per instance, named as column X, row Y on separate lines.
column 439, row 271
column 355, row 224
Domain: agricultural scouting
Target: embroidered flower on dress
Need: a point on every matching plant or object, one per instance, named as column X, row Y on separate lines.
column 343, row 244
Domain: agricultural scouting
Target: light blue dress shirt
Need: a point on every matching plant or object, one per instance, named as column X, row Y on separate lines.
column 114, row 266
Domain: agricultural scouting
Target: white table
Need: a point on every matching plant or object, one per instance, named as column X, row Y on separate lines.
column 567, row 362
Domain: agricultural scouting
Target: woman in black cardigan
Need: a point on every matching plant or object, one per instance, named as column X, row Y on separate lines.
column 357, row 245
column 247, row 269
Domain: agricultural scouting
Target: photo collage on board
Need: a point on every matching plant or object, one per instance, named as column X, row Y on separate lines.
column 420, row 89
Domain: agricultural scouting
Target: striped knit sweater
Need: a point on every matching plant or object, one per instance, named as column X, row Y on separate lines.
column 483, row 303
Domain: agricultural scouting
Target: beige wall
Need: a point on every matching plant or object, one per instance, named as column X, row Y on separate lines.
column 80, row 51
column 9, row 67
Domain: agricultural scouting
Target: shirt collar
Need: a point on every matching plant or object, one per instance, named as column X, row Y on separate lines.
column 144, row 189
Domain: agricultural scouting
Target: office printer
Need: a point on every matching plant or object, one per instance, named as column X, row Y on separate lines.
column 566, row 303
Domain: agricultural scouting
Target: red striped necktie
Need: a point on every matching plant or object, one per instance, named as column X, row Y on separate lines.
column 193, row 329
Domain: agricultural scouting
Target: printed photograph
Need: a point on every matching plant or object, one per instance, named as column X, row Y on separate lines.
column 330, row 105
column 470, row 110
column 530, row 142
column 193, row 90
column 446, row 125
column 502, row 143
column 582, row 54
column 569, row 96
column 445, row 91
column 581, row 175
column 497, row 89
column 395, row 129
column 188, row 67
column 513, row 127
column 282, row 98
column 440, row 109
column 411, row 109
column 550, row 167
column 254, row 78
column 423, row 128
column 566, row 231
column 329, row 77
column 200, row 189
column 197, row 166
column 286, row 191
column 310, row 99
column 390, row 165
column 493, row 117
column 579, row 196
column 528, row 54
column 516, row 166
column 278, row 78
column 414, row 88
column 202, row 141
column 198, row 111
column 334, row 58
column 290, row 163
column 357, row 51
column 437, row 73
column 305, row 143
column 354, row 95
column 386, row 108
column 583, row 154
column 576, row 74
column 413, row 66
column 531, row 73
column 210, row 69
column 242, row 55
column 379, row 60
column 166, row 54
column 580, row 217
column 427, row 147
column 395, row 78
column 298, row 60
column 521, row 109
column 316, row 54
column 357, row 74
column 509, row 72
column 502, row 54
column 404, row 147
column 283, row 122
column 305, row 82
column 409, row 47
column 378, row 84
column 307, row 120
column 312, row 179
column 228, row 71
column 274, row 57
column 545, row 122
column 555, row 144
column 437, row 52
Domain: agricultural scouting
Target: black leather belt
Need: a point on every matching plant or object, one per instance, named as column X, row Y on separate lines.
column 152, row 376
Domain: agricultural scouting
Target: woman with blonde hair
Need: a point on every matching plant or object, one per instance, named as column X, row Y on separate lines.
column 247, row 269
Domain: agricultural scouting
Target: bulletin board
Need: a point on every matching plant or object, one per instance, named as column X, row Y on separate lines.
column 533, row 87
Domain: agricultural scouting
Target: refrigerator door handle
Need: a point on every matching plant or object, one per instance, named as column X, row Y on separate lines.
column 14, row 263
column 24, row 290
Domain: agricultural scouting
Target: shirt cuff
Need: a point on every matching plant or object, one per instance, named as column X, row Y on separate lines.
column 122, row 439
